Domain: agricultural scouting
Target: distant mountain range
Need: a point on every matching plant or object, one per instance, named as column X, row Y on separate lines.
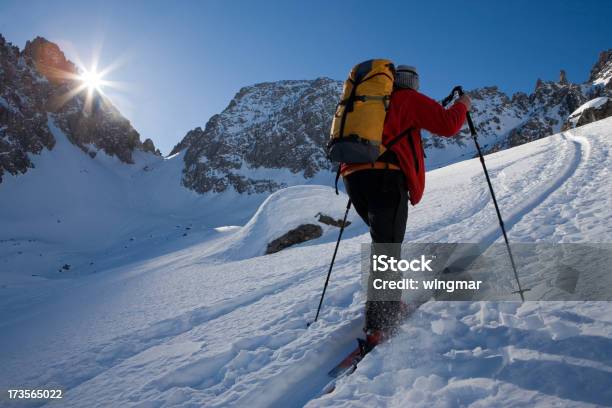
column 271, row 134
column 284, row 125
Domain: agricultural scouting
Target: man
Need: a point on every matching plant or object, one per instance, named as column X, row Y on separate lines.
column 380, row 192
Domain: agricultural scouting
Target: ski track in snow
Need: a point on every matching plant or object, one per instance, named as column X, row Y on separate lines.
column 117, row 350
column 564, row 168
column 246, row 344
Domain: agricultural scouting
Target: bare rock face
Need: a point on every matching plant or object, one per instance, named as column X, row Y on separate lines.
column 551, row 104
column 49, row 61
column 23, row 121
column 327, row 220
column 302, row 233
column 38, row 86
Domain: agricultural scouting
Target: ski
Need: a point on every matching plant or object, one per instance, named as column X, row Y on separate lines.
column 349, row 363
column 347, row 366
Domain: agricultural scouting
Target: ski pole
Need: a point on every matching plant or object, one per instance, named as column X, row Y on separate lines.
column 331, row 265
column 445, row 102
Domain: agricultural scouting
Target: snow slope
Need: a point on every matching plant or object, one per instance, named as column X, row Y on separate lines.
column 214, row 323
column 101, row 205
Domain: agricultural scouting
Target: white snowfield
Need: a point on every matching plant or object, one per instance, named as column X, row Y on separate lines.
column 212, row 322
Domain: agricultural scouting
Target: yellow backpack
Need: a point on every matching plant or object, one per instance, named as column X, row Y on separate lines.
column 357, row 127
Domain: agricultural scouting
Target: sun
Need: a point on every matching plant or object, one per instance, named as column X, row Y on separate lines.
column 91, row 83
column 92, row 80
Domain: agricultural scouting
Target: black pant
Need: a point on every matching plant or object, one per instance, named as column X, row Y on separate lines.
column 381, row 199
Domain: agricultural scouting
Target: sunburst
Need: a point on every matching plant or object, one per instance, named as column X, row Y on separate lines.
column 92, row 81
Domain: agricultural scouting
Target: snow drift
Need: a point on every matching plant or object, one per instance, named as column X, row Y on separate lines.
column 283, row 211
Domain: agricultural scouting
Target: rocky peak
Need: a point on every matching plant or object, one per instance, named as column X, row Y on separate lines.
column 562, row 77
column 37, row 86
column 190, row 138
column 603, row 67
column 149, row 146
column 49, row 60
column 273, row 125
column 539, row 84
column 2, row 40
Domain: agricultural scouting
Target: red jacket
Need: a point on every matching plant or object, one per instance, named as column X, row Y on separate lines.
column 409, row 108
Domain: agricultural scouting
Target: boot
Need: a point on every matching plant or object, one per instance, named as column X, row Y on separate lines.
column 373, row 339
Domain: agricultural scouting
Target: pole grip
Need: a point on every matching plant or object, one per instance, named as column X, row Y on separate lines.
column 459, row 90
column 445, row 102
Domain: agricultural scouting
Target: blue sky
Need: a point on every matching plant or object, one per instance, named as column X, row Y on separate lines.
column 181, row 62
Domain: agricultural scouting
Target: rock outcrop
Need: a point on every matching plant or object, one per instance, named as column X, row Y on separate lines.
column 594, row 110
column 327, row 220
column 302, row 233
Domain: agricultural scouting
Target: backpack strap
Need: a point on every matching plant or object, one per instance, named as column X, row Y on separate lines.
column 397, row 138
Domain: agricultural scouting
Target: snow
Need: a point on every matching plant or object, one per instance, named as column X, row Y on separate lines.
column 593, row 103
column 207, row 320
column 98, row 213
column 491, row 354
column 86, row 199
column 283, row 176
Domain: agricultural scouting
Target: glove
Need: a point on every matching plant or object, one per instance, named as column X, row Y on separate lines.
column 466, row 100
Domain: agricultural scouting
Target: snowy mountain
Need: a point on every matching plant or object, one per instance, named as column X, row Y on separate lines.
column 39, row 81
column 273, row 134
column 209, row 320
column 280, row 126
